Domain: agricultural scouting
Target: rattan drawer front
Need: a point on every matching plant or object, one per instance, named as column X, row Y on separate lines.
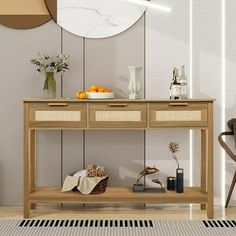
column 117, row 115
column 177, row 114
column 57, row 116
column 61, row 115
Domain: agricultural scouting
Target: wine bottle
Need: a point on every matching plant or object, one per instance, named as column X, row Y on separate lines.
column 175, row 86
column 183, row 84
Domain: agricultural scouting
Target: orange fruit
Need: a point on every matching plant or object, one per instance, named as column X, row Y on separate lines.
column 101, row 89
column 77, row 94
column 81, row 95
column 94, row 87
column 98, row 88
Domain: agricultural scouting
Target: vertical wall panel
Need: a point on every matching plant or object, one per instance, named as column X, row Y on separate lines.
column 73, row 78
column 19, row 80
column 72, row 82
column 230, row 87
column 48, row 158
column 121, row 152
column 207, row 66
column 167, row 45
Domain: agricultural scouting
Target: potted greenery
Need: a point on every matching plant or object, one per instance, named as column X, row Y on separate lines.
column 49, row 66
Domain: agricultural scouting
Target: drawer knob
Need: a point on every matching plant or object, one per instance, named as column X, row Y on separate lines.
column 57, row 104
column 178, row 104
column 117, row 105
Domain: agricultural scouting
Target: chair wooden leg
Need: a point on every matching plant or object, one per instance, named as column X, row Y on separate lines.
column 231, row 190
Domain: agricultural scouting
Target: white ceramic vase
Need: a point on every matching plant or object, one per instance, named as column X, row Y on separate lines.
column 134, row 83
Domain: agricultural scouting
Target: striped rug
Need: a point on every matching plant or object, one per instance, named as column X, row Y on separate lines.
column 117, row 227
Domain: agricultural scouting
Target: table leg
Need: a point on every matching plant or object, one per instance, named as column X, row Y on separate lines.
column 203, row 164
column 32, row 163
column 210, row 181
column 26, row 163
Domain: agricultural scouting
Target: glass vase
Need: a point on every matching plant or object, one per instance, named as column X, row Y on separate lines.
column 50, row 85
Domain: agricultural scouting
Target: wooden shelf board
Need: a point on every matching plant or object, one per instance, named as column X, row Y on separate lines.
column 118, row 195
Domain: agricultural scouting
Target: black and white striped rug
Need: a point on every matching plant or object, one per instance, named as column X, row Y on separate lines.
column 117, row 227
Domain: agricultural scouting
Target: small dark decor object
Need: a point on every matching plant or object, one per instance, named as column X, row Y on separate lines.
column 179, row 180
column 174, row 147
column 171, row 183
column 140, row 187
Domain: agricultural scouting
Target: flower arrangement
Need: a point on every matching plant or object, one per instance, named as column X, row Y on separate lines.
column 46, row 63
column 174, row 147
column 50, row 65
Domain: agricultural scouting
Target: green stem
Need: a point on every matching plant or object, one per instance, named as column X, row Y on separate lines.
column 45, row 83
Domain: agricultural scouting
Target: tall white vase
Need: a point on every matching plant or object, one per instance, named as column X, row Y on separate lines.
column 134, row 83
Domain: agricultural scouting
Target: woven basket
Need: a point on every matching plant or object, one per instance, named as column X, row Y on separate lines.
column 99, row 188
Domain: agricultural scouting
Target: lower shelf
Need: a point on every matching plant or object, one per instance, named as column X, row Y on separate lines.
column 118, row 195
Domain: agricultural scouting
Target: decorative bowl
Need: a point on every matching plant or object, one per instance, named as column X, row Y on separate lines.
column 100, row 95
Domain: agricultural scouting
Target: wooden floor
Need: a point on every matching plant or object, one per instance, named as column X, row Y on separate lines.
column 162, row 212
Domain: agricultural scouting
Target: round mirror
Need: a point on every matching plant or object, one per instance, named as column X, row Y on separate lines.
column 95, row 18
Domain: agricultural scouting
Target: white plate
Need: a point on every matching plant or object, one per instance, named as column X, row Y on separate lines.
column 100, row 95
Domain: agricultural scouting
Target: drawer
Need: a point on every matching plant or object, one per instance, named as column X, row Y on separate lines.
column 177, row 114
column 58, row 114
column 117, row 115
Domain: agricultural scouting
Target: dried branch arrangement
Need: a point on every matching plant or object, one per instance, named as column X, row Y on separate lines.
column 174, row 147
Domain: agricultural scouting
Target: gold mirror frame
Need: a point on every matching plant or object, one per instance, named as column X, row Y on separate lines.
column 24, row 14
column 24, row 21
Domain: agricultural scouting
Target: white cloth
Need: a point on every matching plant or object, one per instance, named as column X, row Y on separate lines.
column 70, row 182
column 84, row 184
column 87, row 184
column 81, row 173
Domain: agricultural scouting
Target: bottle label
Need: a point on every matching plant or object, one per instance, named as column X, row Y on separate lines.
column 175, row 91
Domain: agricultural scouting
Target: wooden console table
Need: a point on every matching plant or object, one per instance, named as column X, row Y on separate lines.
column 118, row 114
